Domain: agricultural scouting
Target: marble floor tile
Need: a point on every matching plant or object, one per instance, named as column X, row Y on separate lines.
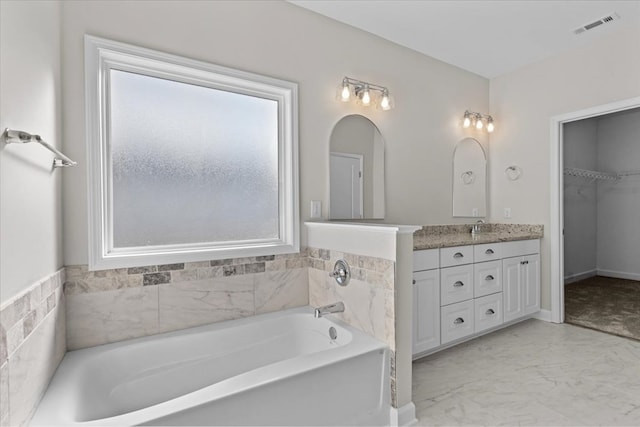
column 532, row 373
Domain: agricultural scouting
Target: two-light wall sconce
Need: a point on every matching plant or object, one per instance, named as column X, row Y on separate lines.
column 478, row 121
column 364, row 93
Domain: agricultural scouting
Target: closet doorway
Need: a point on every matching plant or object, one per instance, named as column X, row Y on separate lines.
column 601, row 218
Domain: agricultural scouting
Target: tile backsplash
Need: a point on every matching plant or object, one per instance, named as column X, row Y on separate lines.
column 112, row 305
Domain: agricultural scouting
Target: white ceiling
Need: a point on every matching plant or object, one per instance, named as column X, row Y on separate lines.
column 488, row 38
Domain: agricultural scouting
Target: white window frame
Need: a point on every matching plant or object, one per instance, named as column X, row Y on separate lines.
column 101, row 56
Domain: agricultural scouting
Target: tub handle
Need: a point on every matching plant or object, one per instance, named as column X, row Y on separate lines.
column 341, row 272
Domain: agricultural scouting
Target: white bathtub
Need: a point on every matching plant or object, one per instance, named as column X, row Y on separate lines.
column 275, row 369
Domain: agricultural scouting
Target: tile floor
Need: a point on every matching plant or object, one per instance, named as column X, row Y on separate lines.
column 532, row 373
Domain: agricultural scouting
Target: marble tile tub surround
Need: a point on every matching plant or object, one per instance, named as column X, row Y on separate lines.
column 32, row 327
column 369, row 297
column 442, row 236
column 113, row 305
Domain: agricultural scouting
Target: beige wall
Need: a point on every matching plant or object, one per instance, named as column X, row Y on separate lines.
column 30, row 201
column 523, row 103
column 284, row 41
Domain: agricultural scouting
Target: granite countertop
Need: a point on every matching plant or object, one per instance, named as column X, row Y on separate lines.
column 443, row 236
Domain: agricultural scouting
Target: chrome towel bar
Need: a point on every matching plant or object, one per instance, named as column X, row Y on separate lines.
column 13, row 136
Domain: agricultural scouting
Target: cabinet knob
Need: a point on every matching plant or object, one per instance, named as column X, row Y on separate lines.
column 524, row 262
column 489, row 251
column 489, row 312
column 414, row 281
column 458, row 284
column 458, row 255
column 458, row 321
column 489, row 277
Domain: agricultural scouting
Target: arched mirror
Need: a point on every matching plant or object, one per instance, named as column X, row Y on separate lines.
column 469, row 179
column 356, row 175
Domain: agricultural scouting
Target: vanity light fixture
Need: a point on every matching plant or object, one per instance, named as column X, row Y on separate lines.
column 365, row 93
column 477, row 120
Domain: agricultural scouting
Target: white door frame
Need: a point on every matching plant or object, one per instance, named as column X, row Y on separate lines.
column 557, row 196
column 360, row 158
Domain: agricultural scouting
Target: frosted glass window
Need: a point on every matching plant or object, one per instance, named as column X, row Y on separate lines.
column 189, row 161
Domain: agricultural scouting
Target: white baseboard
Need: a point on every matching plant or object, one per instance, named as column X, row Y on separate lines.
column 404, row 416
column 619, row 274
column 543, row 315
column 580, row 276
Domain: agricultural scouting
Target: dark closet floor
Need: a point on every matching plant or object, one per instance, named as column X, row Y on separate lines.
column 605, row 304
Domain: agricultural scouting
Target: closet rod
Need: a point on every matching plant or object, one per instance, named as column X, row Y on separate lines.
column 15, row 136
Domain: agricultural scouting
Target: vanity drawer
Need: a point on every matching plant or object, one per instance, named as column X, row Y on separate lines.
column 456, row 321
column 487, row 278
column 457, row 255
column 488, row 312
column 456, row 284
column 427, row 259
column 487, row 252
column 520, row 248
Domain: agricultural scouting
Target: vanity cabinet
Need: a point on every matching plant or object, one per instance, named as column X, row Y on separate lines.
column 521, row 286
column 426, row 300
column 464, row 291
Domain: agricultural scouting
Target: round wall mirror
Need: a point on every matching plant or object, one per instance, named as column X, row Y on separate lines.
column 356, row 170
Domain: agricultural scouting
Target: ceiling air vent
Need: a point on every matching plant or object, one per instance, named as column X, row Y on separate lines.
column 605, row 20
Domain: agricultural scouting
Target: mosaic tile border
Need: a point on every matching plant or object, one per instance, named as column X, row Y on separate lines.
column 25, row 312
column 376, row 271
column 80, row 280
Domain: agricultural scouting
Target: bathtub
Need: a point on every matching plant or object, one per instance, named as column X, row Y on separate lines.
column 274, row 369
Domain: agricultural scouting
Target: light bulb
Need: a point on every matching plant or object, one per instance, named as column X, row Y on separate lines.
column 490, row 126
column 366, row 96
column 467, row 121
column 479, row 123
column 385, row 103
column 345, row 94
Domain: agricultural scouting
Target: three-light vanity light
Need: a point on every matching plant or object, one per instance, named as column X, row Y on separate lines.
column 478, row 121
column 364, row 93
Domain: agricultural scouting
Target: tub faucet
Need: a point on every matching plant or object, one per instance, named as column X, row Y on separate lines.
column 337, row 307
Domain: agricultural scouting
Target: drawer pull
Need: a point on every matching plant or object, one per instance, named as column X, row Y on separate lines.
column 489, row 252
column 458, row 321
column 458, row 284
column 524, row 262
column 489, row 277
column 489, row 312
column 458, row 255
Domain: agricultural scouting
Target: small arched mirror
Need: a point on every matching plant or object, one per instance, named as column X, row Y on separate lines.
column 469, row 179
column 356, row 175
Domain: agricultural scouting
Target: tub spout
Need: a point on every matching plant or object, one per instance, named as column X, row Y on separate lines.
column 337, row 307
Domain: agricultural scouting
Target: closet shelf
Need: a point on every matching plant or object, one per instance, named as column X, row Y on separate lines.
column 589, row 174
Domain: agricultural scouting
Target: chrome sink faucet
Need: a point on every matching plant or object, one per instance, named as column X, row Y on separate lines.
column 477, row 227
column 337, row 307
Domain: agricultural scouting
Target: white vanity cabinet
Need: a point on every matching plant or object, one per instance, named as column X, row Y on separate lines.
column 465, row 291
column 426, row 300
column 521, row 272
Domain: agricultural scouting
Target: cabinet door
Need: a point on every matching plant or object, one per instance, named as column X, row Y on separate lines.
column 426, row 310
column 512, row 289
column 531, row 283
